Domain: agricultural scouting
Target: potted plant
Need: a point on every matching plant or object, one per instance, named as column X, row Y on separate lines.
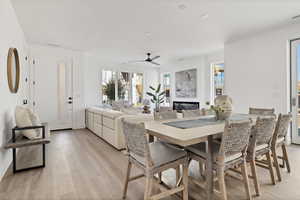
column 157, row 97
column 218, row 111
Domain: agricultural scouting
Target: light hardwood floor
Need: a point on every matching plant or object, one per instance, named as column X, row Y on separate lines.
column 82, row 166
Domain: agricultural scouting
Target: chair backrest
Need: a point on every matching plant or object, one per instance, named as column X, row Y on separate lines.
column 168, row 115
column 165, row 108
column 282, row 126
column 263, row 130
column 235, row 138
column 262, row 111
column 191, row 113
column 136, row 141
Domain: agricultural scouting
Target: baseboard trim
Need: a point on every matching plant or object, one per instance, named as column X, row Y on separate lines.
column 64, row 129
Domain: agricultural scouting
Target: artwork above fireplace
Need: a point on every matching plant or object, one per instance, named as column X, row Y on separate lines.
column 185, row 105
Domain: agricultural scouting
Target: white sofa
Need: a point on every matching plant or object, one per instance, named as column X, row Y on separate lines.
column 106, row 124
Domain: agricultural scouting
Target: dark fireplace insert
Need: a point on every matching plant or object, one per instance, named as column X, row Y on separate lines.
column 185, row 105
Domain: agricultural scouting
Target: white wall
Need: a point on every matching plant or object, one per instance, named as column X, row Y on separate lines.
column 46, row 74
column 257, row 69
column 92, row 77
column 11, row 36
column 204, row 75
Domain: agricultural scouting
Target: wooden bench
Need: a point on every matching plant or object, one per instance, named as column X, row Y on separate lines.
column 20, row 142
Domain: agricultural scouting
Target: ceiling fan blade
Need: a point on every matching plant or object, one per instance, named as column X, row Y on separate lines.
column 133, row 61
column 156, row 57
column 155, row 63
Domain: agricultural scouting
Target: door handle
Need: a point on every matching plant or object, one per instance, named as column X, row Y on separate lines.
column 70, row 98
column 70, row 102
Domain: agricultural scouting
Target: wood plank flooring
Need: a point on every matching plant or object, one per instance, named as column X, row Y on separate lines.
column 81, row 166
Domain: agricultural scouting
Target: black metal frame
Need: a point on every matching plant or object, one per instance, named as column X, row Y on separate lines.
column 15, row 170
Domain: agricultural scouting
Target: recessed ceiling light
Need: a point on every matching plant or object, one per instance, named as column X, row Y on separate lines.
column 182, row 6
column 148, row 34
column 204, row 16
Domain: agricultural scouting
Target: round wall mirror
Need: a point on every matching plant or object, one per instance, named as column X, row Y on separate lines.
column 13, row 70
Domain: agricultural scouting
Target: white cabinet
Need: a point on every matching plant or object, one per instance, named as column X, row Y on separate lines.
column 90, row 121
column 103, row 123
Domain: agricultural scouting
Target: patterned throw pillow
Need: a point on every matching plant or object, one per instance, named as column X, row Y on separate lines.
column 24, row 118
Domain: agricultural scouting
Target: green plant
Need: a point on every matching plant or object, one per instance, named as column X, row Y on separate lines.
column 157, row 96
column 217, row 110
column 109, row 90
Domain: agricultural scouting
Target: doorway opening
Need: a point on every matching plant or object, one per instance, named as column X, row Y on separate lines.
column 217, row 82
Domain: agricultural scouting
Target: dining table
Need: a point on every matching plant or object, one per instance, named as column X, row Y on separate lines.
column 189, row 131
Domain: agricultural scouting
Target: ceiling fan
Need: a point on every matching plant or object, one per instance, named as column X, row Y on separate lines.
column 149, row 59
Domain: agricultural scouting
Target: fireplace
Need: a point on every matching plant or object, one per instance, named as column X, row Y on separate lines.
column 185, row 105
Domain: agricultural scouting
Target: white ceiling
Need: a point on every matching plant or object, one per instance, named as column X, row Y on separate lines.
column 122, row 30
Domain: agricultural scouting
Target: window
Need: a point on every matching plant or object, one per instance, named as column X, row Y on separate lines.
column 166, row 84
column 137, row 88
column 108, row 86
column 218, row 79
column 125, row 86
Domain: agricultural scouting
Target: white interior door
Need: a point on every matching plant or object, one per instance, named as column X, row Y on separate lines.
column 295, row 90
column 53, row 92
column 65, row 95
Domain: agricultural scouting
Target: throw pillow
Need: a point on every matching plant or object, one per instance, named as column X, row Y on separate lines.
column 23, row 119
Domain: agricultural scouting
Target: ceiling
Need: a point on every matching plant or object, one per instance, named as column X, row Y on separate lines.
column 122, row 30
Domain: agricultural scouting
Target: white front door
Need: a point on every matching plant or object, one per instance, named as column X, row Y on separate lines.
column 295, row 90
column 53, row 92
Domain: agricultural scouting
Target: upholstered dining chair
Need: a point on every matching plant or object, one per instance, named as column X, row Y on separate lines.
column 231, row 152
column 165, row 115
column 191, row 113
column 195, row 113
column 261, row 111
column 260, row 146
column 165, row 108
column 152, row 158
column 280, row 133
column 168, row 115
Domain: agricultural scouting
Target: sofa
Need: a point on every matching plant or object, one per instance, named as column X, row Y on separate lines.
column 106, row 123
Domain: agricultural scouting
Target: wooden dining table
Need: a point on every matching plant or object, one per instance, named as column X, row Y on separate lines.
column 185, row 137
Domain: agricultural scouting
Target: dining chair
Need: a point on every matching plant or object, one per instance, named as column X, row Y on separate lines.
column 165, row 108
column 229, row 153
column 166, row 115
column 152, row 158
column 260, row 146
column 191, row 113
column 195, row 113
column 278, row 141
column 261, row 111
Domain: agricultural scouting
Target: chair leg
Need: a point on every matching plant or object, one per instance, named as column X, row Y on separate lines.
column 177, row 173
column 286, row 158
column 201, row 169
column 185, row 178
column 270, row 163
column 126, row 180
column 254, row 175
column 221, row 180
column 160, row 177
column 148, row 187
column 246, row 179
column 277, row 167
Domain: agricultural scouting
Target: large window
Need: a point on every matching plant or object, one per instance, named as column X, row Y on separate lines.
column 166, row 84
column 108, row 86
column 137, row 88
column 125, row 86
column 218, row 79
